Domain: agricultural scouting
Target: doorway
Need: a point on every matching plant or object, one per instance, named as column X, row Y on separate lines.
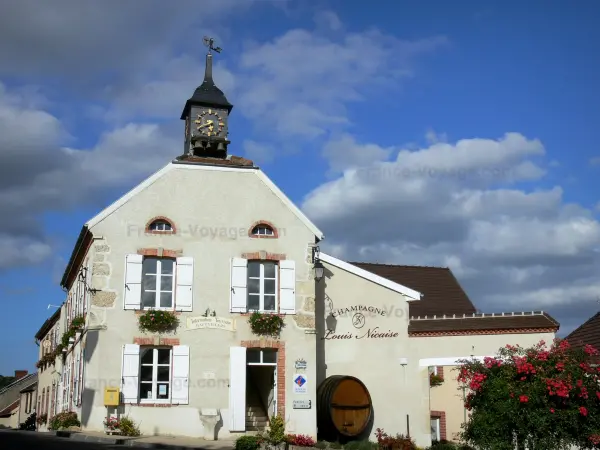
column 261, row 381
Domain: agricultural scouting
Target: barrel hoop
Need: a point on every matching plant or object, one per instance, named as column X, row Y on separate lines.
column 335, row 405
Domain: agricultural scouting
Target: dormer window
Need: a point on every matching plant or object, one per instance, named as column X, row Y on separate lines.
column 263, row 230
column 160, row 225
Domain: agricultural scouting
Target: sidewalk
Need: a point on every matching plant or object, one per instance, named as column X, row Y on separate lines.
column 166, row 442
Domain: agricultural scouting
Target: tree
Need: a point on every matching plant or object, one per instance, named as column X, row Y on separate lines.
column 548, row 398
column 5, row 381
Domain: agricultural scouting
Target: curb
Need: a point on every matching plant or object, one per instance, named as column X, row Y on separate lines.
column 126, row 442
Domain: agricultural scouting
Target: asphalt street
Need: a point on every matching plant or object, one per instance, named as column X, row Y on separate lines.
column 23, row 440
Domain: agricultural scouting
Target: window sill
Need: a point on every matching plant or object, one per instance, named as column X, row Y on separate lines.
column 262, row 312
column 139, row 312
column 155, row 404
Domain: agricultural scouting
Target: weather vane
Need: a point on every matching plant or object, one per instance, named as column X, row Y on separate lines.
column 209, row 42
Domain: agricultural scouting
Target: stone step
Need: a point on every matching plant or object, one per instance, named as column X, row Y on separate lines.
column 255, row 408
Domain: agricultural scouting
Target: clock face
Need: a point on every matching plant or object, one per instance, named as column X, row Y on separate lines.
column 209, row 123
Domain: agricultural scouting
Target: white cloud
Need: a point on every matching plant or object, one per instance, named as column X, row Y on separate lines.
column 448, row 204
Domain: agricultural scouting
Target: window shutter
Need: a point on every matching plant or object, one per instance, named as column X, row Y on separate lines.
column 237, row 389
column 287, row 287
column 239, row 281
column 184, row 291
column 181, row 375
column 133, row 281
column 130, row 373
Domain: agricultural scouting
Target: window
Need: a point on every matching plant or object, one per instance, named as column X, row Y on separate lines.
column 155, row 374
column 160, row 225
column 157, row 283
column 262, row 286
column 433, row 370
column 263, row 230
column 257, row 356
column 435, row 429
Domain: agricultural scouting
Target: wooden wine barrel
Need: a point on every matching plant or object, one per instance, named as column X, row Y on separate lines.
column 344, row 408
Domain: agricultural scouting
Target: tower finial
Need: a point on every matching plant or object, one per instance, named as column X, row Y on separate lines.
column 209, row 42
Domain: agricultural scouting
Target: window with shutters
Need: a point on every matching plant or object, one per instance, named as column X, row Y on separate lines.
column 158, row 282
column 435, row 429
column 155, row 374
column 262, row 286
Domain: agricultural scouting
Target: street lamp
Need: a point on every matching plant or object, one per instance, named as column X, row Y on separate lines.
column 319, row 269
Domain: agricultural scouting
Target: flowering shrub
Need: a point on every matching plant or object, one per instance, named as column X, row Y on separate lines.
column 300, row 440
column 48, row 358
column 546, row 397
column 399, row 442
column 157, row 321
column 266, row 324
column 42, row 419
column 64, row 420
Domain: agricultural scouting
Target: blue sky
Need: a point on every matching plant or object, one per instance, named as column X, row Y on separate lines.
column 337, row 102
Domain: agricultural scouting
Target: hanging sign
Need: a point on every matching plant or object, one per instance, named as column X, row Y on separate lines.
column 210, row 323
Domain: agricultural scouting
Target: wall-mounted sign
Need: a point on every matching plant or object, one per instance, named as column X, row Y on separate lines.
column 358, row 315
column 210, row 323
column 302, row 404
column 300, row 364
column 352, row 310
column 300, row 384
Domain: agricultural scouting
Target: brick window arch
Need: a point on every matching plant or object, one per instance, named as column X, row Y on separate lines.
column 263, row 230
column 160, row 225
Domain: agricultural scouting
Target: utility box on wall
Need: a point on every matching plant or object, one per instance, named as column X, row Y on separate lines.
column 111, row 396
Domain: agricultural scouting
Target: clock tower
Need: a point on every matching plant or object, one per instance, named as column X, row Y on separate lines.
column 206, row 115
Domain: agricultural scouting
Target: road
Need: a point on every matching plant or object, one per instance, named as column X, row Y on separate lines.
column 21, row 440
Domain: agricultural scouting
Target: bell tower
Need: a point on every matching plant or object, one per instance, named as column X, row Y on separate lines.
column 206, row 115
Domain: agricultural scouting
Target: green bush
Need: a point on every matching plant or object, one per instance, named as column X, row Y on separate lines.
column 361, row 445
column 248, row 443
column 64, row 420
column 322, row 445
column 335, row 445
column 276, row 433
column 128, row 427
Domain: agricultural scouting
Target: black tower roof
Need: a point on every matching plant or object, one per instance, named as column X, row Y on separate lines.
column 207, row 94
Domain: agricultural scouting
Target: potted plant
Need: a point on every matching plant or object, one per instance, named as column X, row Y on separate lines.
column 112, row 425
column 274, row 438
column 435, row 380
column 299, row 440
column 42, row 419
column 158, row 321
column 265, row 324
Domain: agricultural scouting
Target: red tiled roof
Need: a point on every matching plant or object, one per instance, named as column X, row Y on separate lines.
column 586, row 334
column 445, row 308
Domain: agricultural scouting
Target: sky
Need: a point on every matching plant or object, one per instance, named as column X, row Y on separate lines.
column 455, row 134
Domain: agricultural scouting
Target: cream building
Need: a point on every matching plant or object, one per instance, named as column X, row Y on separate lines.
column 17, row 399
column 211, row 238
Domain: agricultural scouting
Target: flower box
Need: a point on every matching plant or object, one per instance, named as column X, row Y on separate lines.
column 158, row 321
column 266, row 324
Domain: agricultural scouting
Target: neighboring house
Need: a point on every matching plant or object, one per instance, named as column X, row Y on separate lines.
column 49, row 367
column 587, row 333
column 211, row 238
column 10, row 399
column 28, row 400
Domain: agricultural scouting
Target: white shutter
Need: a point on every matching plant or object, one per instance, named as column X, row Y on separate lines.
column 130, row 373
column 237, row 389
column 239, row 281
column 132, row 298
column 181, row 375
column 184, row 294
column 287, row 287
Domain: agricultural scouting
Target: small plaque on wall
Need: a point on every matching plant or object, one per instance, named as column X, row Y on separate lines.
column 302, row 404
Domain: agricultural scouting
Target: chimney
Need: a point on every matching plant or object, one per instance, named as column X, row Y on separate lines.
column 20, row 374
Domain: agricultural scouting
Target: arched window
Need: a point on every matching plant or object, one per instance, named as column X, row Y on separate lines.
column 160, row 225
column 263, row 230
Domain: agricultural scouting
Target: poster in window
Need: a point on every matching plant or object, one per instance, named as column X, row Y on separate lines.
column 162, row 389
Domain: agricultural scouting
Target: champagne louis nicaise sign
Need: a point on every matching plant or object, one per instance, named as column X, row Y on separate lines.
column 358, row 316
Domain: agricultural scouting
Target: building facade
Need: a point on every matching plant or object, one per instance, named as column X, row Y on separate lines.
column 11, row 399
column 212, row 239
